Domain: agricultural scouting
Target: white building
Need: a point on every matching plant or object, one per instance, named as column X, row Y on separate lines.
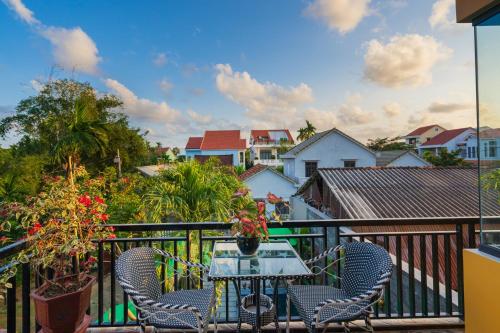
column 400, row 158
column 451, row 140
column 328, row 149
column 262, row 179
column 265, row 144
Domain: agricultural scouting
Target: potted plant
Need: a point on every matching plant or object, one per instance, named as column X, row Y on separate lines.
column 61, row 224
column 250, row 227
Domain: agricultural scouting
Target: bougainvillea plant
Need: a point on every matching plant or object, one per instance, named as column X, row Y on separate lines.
column 253, row 224
column 61, row 225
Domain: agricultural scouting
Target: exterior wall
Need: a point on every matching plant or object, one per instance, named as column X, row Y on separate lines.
column 236, row 159
column 482, row 290
column 330, row 152
column 450, row 145
column 407, row 160
column 268, row 181
column 289, row 167
column 485, row 151
column 430, row 133
column 255, row 155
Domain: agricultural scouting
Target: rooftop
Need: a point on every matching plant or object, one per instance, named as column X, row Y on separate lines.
column 421, row 130
column 445, row 136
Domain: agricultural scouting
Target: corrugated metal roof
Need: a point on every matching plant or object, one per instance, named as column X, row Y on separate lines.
column 401, row 192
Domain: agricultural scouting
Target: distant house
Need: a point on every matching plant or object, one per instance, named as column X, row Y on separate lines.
column 262, row 179
column 400, row 158
column 167, row 152
column 488, row 147
column 227, row 145
column 451, row 140
column 153, row 170
column 423, row 134
column 264, row 145
column 328, row 149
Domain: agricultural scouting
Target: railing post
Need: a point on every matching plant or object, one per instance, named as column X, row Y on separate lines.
column 325, row 247
column 200, row 235
column 100, row 280
column 26, row 319
column 188, row 258
column 460, row 270
column 11, row 306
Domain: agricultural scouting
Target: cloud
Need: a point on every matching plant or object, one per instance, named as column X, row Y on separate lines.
column 198, row 118
column 259, row 98
column 321, row 119
column 73, row 49
column 160, row 60
column 406, row 60
column 350, row 113
column 142, row 108
column 441, row 107
column 392, row 109
column 22, row 11
column 340, row 15
column 442, row 17
column 166, row 86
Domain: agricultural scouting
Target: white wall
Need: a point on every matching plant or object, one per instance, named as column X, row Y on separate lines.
column 267, row 181
column 289, row 167
column 408, row 160
column 330, row 152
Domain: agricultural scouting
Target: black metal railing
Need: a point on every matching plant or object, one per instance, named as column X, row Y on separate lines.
column 427, row 253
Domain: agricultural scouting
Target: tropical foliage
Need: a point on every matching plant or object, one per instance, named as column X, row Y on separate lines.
column 382, row 144
column 445, row 158
column 306, row 132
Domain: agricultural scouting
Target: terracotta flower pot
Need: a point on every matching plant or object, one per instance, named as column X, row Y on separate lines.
column 63, row 313
column 248, row 246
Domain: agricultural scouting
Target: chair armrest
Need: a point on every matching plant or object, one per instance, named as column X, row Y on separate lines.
column 332, row 250
column 188, row 263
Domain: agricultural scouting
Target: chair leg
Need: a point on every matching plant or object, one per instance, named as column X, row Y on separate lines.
column 346, row 327
column 288, row 313
column 368, row 324
column 143, row 326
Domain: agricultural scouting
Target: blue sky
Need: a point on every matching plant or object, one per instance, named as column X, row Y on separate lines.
column 370, row 68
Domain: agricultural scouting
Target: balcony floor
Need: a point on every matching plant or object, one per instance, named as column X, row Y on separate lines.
column 444, row 325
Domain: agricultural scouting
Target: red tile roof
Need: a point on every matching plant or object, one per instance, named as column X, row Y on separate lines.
column 421, row 130
column 215, row 140
column 255, row 134
column 445, row 136
column 252, row 171
column 194, row 142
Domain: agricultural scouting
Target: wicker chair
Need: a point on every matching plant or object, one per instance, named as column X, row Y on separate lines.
column 184, row 309
column 367, row 269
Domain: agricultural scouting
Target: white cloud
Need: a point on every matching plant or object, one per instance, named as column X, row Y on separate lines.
column 442, row 16
column 350, row 113
column 166, row 85
column 392, row 109
column 73, row 49
column 160, row 60
column 406, row 60
column 443, row 107
column 321, row 119
column 198, row 118
column 22, row 11
column 142, row 108
column 340, row 15
column 259, row 98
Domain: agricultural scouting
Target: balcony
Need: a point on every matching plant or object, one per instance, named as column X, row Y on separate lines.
column 426, row 290
column 269, row 162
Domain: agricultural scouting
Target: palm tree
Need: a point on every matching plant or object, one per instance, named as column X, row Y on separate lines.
column 306, row 132
column 85, row 133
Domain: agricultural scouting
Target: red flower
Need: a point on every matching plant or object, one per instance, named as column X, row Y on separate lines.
column 240, row 193
column 104, row 217
column 246, row 220
column 85, row 200
column 261, row 206
column 36, row 227
column 111, row 228
column 111, row 236
column 91, row 260
column 99, row 200
column 273, row 199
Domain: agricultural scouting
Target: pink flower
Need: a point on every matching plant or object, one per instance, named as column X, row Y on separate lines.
column 240, row 193
column 273, row 199
column 261, row 206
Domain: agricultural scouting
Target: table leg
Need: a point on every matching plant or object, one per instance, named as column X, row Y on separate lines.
column 257, row 305
column 275, row 300
column 237, row 288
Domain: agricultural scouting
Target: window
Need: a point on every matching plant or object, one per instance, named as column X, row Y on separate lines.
column 469, row 152
column 473, row 152
column 265, row 154
column 311, row 166
column 349, row 164
column 242, row 157
column 492, row 148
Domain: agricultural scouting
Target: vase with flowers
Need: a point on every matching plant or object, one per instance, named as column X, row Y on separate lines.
column 250, row 226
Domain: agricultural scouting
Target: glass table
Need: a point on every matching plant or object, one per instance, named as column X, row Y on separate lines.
column 274, row 260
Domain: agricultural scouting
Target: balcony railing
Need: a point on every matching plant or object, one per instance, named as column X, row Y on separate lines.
column 269, row 162
column 427, row 278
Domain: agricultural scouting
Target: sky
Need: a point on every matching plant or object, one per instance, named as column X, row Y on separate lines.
column 371, row 68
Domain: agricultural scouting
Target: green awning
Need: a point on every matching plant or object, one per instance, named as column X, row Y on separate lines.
column 283, row 231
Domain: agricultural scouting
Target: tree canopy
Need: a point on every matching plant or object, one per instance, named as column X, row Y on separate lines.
column 306, row 132
column 382, row 144
column 445, row 158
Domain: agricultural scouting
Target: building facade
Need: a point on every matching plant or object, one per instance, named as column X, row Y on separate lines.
column 226, row 145
column 266, row 144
